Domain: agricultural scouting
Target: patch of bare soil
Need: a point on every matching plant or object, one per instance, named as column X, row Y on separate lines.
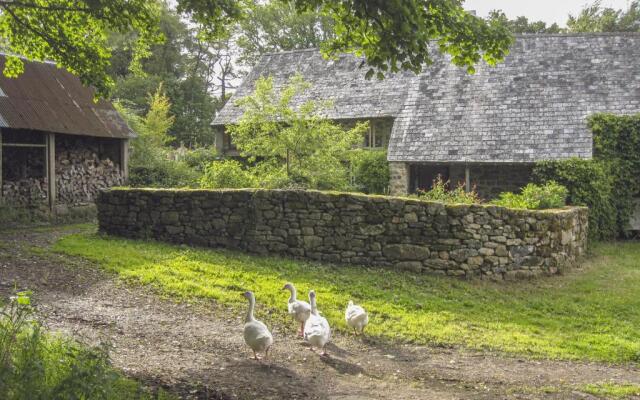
column 197, row 350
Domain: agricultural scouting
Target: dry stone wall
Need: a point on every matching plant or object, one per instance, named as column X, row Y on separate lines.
column 459, row 240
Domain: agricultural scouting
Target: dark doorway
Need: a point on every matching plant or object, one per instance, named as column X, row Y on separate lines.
column 423, row 175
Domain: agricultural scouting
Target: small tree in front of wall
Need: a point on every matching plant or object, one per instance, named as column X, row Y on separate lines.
column 293, row 146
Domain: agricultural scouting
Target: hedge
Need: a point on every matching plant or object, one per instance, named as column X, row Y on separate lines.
column 608, row 183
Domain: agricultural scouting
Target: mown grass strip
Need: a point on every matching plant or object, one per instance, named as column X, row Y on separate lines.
column 591, row 314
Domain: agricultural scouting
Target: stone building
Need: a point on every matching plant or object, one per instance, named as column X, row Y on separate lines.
column 484, row 130
column 58, row 146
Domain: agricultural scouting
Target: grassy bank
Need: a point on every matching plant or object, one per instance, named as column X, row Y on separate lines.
column 589, row 314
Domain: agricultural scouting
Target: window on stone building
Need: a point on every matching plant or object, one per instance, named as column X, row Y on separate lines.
column 377, row 136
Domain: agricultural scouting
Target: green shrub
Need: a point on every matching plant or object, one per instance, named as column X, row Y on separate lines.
column 616, row 140
column 34, row 365
column 440, row 192
column 198, row 159
column 371, row 171
column 535, row 197
column 226, row 174
column 161, row 172
column 589, row 184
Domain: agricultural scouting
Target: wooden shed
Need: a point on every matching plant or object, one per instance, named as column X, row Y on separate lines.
column 58, row 145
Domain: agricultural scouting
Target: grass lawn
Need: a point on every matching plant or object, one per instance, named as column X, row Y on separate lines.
column 590, row 314
column 612, row 390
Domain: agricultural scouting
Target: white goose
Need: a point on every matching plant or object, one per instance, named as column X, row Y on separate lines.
column 300, row 310
column 356, row 317
column 256, row 334
column 316, row 330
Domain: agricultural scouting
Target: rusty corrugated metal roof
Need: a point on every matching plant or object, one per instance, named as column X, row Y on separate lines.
column 48, row 98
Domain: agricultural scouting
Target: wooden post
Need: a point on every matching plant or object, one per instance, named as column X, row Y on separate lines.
column 51, row 169
column 124, row 159
column 467, row 178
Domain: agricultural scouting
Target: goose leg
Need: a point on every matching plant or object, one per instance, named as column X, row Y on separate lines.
column 355, row 332
column 266, row 353
column 255, row 356
column 301, row 334
column 324, row 351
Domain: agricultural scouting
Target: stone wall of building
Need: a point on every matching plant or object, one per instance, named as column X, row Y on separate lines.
column 458, row 240
column 398, row 178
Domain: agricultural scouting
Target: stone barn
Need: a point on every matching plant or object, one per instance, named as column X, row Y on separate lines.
column 58, row 146
column 485, row 129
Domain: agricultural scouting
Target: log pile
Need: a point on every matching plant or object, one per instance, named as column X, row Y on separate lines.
column 25, row 192
column 82, row 170
column 81, row 174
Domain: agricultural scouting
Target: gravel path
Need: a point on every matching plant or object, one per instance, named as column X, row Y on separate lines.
column 197, row 351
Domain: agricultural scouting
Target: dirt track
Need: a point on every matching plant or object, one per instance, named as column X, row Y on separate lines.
column 197, row 350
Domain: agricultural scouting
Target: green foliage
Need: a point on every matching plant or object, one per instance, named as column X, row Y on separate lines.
column 535, row 197
column 616, row 140
column 589, row 184
column 609, row 183
column 293, row 145
column 440, row 192
column 34, row 365
column 277, row 26
column 185, row 66
column 595, row 18
column 397, row 34
column 370, row 169
column 393, row 35
column 163, row 173
column 523, row 25
column 597, row 311
column 149, row 163
column 73, row 33
column 199, row 158
column 226, row 174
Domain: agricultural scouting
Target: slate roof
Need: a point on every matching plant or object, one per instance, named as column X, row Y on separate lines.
column 48, row 98
column 531, row 107
column 341, row 81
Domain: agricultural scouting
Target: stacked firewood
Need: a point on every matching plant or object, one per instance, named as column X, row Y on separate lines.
column 25, row 191
column 81, row 174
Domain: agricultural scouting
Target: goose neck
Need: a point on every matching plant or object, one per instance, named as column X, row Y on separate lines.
column 252, row 303
column 292, row 297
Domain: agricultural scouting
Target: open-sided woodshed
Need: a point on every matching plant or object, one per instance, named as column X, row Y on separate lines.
column 59, row 147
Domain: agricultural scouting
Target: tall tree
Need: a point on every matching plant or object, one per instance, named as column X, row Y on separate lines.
column 595, row 18
column 183, row 63
column 523, row 25
column 391, row 34
column 73, row 33
column 277, row 26
column 293, row 144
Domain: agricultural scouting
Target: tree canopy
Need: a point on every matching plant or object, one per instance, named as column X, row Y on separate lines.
column 523, row 24
column 293, row 144
column 595, row 18
column 277, row 26
column 391, row 34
